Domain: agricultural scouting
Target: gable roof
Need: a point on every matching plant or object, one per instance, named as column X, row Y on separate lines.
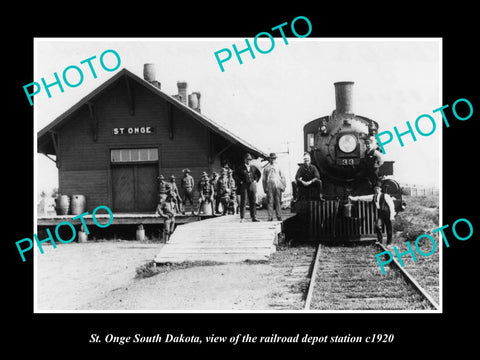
column 45, row 140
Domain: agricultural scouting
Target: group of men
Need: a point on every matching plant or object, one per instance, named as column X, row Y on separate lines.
column 221, row 194
column 215, row 190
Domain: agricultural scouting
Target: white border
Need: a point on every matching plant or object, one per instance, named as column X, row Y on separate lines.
column 383, row 39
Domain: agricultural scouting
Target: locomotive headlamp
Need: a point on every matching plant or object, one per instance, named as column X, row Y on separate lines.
column 347, row 143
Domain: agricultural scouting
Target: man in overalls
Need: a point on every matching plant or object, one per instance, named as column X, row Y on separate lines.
column 273, row 185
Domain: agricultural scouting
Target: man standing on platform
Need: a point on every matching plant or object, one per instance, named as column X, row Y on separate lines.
column 163, row 188
column 273, row 185
column 206, row 191
column 213, row 181
column 232, row 202
column 246, row 179
column 222, row 192
column 176, row 194
column 188, row 183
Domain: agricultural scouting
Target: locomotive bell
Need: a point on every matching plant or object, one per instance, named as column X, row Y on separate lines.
column 343, row 97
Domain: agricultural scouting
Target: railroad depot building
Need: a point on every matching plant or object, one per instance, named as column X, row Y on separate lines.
column 113, row 144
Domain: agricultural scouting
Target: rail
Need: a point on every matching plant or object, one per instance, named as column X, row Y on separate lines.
column 405, row 275
column 410, row 279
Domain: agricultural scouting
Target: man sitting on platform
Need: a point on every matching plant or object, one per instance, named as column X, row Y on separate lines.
column 307, row 184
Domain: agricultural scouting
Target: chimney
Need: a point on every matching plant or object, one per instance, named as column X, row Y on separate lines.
column 198, row 101
column 343, row 97
column 194, row 101
column 150, row 75
column 182, row 91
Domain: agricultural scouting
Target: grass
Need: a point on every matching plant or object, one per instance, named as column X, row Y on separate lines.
column 421, row 216
column 152, row 268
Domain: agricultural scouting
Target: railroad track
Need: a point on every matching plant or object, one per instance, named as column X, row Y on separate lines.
column 348, row 278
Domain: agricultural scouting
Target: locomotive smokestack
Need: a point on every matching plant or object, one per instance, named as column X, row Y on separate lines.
column 343, row 97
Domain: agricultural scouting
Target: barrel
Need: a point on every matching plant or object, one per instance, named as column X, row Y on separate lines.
column 82, row 236
column 140, row 234
column 78, row 204
column 62, row 204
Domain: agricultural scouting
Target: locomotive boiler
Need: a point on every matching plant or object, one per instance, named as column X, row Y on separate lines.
column 337, row 146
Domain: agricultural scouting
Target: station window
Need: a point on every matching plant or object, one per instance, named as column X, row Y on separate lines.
column 132, row 155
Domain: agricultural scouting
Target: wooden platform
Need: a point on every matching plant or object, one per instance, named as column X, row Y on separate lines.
column 221, row 239
column 118, row 219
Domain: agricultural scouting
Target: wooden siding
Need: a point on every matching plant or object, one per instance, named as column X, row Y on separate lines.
column 84, row 164
column 90, row 183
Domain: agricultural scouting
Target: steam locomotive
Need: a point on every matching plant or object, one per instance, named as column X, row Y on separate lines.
column 336, row 144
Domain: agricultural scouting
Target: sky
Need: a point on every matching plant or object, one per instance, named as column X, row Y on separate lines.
column 267, row 100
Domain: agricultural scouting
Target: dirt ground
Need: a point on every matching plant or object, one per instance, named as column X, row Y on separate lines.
column 102, row 276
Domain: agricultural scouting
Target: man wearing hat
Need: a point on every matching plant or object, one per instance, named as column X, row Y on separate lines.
column 233, row 189
column 206, row 192
column 188, row 183
column 233, row 201
column 222, row 192
column 176, row 194
column 373, row 160
column 167, row 210
column 385, row 209
column 273, row 185
column 163, row 188
column 246, row 178
column 213, row 181
column 307, row 181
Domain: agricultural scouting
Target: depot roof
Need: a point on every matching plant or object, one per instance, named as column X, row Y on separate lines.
column 45, row 142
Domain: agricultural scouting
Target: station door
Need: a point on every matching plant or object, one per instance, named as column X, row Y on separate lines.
column 134, row 186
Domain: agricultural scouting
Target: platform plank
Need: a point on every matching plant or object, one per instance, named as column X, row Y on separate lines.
column 221, row 239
